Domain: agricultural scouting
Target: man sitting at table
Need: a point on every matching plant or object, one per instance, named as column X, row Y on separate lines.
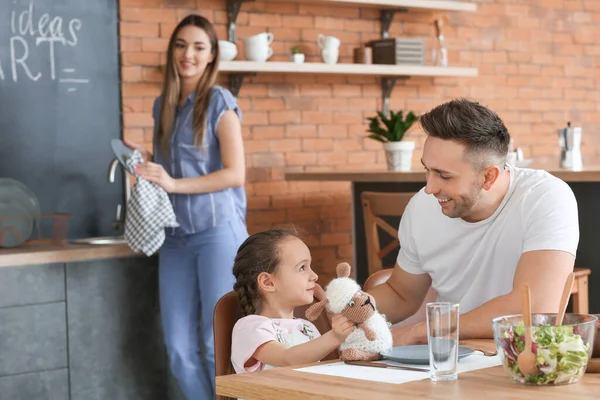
column 479, row 229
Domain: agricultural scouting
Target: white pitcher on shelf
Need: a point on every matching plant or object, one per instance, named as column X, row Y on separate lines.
column 328, row 42
column 330, row 48
column 256, row 48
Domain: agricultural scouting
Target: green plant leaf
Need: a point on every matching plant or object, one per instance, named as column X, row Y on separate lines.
column 388, row 123
column 411, row 118
column 378, row 138
column 399, row 130
column 390, row 129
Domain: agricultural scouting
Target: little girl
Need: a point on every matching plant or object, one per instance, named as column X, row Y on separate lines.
column 273, row 276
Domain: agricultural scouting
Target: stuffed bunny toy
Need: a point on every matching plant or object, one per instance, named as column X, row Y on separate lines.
column 344, row 296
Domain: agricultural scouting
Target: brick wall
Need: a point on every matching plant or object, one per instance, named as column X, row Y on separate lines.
column 537, row 63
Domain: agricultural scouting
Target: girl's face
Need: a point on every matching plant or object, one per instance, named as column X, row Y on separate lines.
column 294, row 279
column 192, row 52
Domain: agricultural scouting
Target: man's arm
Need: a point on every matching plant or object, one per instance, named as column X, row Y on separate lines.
column 402, row 294
column 545, row 271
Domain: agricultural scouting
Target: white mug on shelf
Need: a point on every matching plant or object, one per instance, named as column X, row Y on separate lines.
column 256, row 48
column 328, row 42
column 258, row 53
column 261, row 39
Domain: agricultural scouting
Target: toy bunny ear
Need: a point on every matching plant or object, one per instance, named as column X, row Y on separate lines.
column 313, row 312
column 343, row 270
column 319, row 293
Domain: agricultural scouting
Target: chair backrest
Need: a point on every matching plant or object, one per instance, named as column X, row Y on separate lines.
column 375, row 205
column 227, row 312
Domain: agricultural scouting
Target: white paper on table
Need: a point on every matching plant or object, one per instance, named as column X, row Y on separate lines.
column 391, row 375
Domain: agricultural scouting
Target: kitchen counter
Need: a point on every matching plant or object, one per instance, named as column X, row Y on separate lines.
column 589, row 175
column 79, row 322
column 45, row 254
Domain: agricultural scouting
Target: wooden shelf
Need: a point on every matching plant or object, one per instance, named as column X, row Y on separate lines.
column 422, row 5
column 246, row 67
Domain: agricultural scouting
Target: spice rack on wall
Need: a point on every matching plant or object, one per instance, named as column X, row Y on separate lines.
column 238, row 70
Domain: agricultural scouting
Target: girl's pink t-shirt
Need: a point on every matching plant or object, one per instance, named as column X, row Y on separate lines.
column 252, row 331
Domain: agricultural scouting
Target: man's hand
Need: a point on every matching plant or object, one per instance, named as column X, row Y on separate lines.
column 410, row 335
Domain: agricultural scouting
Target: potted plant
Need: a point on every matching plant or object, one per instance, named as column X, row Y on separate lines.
column 297, row 55
column 390, row 131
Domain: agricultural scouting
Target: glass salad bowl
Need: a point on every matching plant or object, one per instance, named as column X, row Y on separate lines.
column 562, row 352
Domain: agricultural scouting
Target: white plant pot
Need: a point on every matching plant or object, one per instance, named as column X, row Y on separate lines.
column 399, row 155
column 298, row 58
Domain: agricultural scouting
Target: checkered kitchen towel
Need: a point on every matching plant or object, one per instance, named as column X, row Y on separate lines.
column 149, row 211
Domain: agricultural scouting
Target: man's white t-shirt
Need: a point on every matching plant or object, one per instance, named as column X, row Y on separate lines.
column 472, row 263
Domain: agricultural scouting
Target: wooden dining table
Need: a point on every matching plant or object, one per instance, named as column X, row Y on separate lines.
column 493, row 383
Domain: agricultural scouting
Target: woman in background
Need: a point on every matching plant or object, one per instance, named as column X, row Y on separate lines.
column 198, row 159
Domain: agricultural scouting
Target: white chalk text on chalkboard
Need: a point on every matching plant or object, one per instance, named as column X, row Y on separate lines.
column 32, row 31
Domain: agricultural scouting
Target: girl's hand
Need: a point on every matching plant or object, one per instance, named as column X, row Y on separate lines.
column 156, row 173
column 144, row 152
column 342, row 327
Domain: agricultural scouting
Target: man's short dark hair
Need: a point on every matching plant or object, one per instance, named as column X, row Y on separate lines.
column 469, row 123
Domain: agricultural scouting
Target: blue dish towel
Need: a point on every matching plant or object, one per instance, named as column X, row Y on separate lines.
column 149, row 211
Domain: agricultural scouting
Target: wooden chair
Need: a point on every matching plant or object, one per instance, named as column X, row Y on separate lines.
column 580, row 294
column 375, row 205
column 227, row 312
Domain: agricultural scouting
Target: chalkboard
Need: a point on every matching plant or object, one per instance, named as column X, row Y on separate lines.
column 60, row 106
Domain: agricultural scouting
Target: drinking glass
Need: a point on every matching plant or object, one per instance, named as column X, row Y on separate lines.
column 442, row 337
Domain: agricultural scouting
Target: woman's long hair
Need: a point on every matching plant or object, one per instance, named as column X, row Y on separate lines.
column 172, row 86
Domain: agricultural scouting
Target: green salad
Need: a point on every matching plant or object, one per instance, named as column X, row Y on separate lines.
column 561, row 353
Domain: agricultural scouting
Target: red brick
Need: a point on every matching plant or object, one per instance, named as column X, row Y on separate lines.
column 140, row 58
column 270, row 188
column 265, row 20
column 131, row 74
column 136, row 135
column 259, row 202
column 317, row 144
column 139, row 90
column 267, row 104
column 262, row 160
column 283, row 117
column 256, row 146
column 130, row 44
column 298, row 21
column 155, row 44
column 134, row 105
column 328, row 239
column 297, row 158
column 136, row 120
column 139, row 29
column 288, row 201
column 153, row 75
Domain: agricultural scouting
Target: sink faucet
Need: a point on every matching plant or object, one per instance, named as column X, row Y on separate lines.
column 119, row 222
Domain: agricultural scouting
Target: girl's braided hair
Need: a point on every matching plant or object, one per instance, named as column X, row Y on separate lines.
column 259, row 253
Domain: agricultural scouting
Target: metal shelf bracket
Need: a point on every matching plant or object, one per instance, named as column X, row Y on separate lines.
column 387, row 16
column 236, row 81
column 387, row 86
column 233, row 9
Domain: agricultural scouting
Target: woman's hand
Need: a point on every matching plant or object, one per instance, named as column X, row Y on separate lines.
column 342, row 327
column 143, row 151
column 156, row 173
